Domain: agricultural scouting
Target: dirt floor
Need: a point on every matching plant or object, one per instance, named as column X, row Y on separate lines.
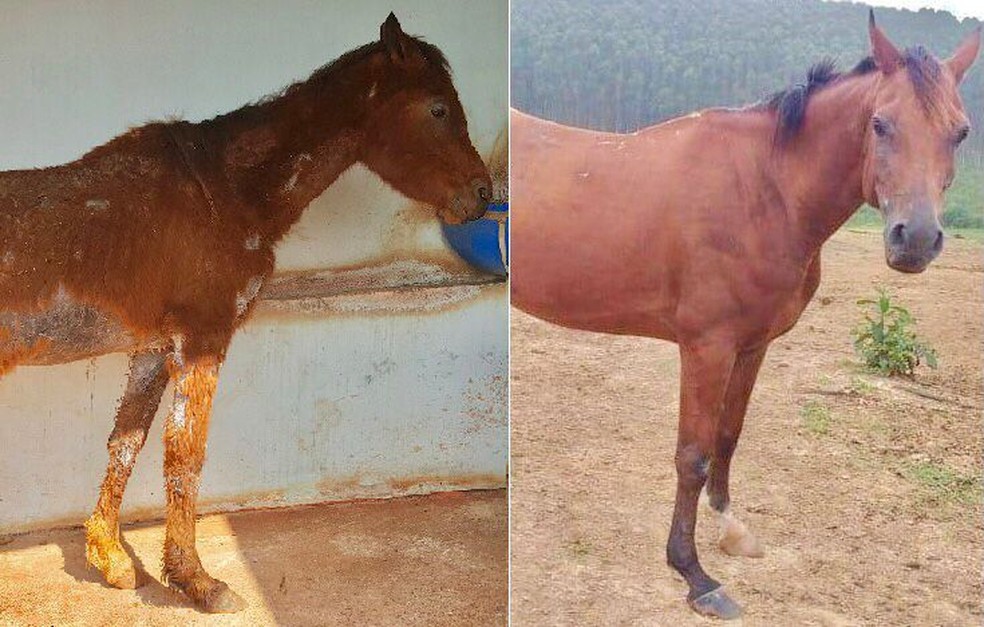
column 434, row 560
column 864, row 491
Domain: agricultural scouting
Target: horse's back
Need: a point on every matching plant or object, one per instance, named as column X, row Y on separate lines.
column 610, row 230
column 579, row 226
column 47, row 217
column 67, row 228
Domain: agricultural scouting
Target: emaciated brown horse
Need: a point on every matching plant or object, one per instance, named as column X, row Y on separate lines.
column 706, row 230
column 158, row 243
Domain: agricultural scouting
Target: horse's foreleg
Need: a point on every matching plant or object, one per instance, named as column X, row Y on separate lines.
column 704, row 376
column 145, row 385
column 735, row 538
column 185, row 435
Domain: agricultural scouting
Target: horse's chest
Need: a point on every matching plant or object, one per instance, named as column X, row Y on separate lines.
column 789, row 304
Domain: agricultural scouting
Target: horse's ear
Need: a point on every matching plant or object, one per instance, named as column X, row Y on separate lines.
column 965, row 54
column 885, row 54
column 395, row 41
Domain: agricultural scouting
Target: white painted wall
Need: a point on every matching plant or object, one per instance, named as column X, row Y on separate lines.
column 384, row 391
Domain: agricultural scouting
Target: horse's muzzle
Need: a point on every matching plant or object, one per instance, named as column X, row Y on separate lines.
column 911, row 245
column 470, row 204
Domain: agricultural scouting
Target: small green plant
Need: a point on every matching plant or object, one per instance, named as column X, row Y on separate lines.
column 943, row 483
column 885, row 339
column 816, row 417
column 860, row 387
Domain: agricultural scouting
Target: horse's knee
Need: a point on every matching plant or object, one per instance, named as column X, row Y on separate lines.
column 123, row 447
column 692, row 465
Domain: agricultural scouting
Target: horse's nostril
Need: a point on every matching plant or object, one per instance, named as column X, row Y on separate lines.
column 938, row 243
column 481, row 189
column 897, row 234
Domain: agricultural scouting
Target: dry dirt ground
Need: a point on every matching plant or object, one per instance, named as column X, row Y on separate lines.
column 434, row 560
column 864, row 491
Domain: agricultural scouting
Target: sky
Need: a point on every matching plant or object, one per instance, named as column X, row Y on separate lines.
column 960, row 8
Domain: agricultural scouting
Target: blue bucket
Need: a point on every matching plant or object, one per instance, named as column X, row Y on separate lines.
column 483, row 243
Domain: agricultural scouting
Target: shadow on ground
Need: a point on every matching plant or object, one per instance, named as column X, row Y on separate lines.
column 439, row 559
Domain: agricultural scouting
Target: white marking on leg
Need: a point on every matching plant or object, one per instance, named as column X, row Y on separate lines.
column 245, row 298
column 735, row 539
column 181, row 483
column 178, row 353
column 727, row 521
column 178, row 412
column 142, row 371
column 124, row 454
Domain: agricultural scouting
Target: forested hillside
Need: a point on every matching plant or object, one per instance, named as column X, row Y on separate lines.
column 625, row 64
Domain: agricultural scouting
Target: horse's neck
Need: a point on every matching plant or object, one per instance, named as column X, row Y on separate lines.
column 821, row 171
column 283, row 154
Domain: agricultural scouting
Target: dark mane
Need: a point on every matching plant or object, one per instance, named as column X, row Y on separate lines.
column 790, row 104
column 431, row 53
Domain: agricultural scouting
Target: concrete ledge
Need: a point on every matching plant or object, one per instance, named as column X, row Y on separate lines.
column 395, row 274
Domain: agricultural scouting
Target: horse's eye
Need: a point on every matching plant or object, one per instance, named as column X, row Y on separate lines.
column 962, row 135
column 879, row 126
column 439, row 111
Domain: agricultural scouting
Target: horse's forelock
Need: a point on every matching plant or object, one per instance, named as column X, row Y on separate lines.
column 926, row 74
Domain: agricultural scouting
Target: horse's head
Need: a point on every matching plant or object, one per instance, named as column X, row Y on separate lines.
column 416, row 135
column 917, row 122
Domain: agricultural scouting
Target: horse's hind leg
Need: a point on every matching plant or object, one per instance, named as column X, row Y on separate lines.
column 144, row 388
column 704, row 376
column 735, row 539
column 185, row 435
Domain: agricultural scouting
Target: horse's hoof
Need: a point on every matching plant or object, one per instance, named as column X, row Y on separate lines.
column 104, row 552
column 124, row 578
column 744, row 545
column 736, row 539
column 222, row 600
column 717, row 604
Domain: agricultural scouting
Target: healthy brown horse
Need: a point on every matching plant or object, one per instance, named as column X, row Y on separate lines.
column 158, row 242
column 706, row 231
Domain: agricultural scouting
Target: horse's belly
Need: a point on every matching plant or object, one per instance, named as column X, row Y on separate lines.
column 67, row 330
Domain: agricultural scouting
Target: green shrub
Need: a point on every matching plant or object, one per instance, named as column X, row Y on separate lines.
column 886, row 341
